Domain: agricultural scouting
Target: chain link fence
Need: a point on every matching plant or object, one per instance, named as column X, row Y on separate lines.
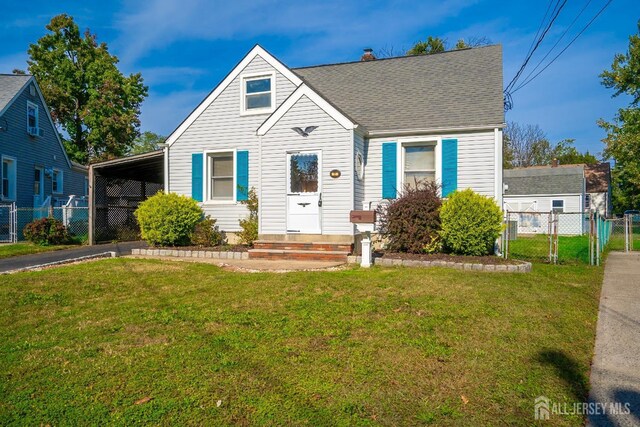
column 13, row 220
column 555, row 237
column 7, row 222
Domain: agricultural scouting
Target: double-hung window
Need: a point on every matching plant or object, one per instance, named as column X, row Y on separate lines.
column 33, row 127
column 8, row 178
column 557, row 206
column 258, row 94
column 57, row 181
column 419, row 163
column 221, row 176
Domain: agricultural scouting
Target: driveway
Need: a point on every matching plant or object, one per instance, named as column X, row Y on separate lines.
column 615, row 373
column 27, row 261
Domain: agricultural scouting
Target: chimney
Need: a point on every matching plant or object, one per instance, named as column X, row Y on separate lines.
column 368, row 55
column 554, row 163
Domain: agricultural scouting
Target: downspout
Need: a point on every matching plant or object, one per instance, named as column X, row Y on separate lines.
column 166, row 168
column 259, row 185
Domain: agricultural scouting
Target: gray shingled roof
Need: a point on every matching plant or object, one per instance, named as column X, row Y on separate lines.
column 544, row 180
column 451, row 89
column 10, row 85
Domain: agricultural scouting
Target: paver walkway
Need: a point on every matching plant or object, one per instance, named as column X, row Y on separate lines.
column 615, row 373
column 26, row 261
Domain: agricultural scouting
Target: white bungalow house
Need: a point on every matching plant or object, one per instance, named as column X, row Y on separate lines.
column 317, row 142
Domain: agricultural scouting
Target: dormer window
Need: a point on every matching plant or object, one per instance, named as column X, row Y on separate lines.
column 258, row 93
column 33, row 125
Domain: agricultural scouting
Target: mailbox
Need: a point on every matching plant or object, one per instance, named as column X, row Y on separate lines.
column 362, row 217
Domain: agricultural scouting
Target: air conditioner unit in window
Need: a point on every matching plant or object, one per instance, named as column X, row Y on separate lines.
column 34, row 131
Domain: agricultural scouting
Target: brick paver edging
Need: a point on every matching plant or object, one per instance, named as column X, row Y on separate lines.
column 521, row 267
column 191, row 254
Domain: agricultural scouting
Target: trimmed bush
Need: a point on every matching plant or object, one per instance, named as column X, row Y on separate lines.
column 46, row 231
column 471, row 223
column 206, row 233
column 411, row 222
column 249, row 225
column 168, row 219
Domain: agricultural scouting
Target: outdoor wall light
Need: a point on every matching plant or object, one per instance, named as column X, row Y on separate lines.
column 335, row 173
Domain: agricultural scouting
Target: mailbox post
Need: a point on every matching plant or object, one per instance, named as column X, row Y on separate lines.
column 365, row 222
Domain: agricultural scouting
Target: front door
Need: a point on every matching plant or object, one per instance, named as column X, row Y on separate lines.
column 304, row 193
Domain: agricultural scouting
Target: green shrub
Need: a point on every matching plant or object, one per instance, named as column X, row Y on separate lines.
column 168, row 219
column 411, row 222
column 471, row 223
column 249, row 225
column 206, row 233
column 46, row 231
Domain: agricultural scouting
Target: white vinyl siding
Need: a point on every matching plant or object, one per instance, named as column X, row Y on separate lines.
column 476, row 163
column 334, row 142
column 221, row 127
column 572, row 202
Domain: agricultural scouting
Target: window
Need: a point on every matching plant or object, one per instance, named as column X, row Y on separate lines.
column 8, row 178
column 32, row 119
column 38, row 179
column 220, row 171
column 258, row 94
column 557, row 206
column 419, row 163
column 56, row 181
column 86, row 187
column 587, row 202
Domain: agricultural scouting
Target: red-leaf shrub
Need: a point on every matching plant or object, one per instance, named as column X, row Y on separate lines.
column 46, row 231
column 411, row 222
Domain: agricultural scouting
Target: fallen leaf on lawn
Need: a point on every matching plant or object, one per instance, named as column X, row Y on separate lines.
column 143, row 400
column 218, row 403
column 464, row 399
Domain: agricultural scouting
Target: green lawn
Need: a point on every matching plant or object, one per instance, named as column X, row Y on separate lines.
column 15, row 249
column 81, row 344
column 571, row 249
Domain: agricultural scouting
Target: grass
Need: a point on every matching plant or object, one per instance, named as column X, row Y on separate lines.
column 535, row 247
column 128, row 341
column 16, row 249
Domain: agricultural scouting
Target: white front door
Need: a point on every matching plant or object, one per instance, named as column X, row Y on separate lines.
column 304, row 193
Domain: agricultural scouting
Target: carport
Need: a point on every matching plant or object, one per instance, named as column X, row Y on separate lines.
column 116, row 188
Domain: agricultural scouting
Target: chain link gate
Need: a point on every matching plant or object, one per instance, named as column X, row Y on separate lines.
column 8, row 223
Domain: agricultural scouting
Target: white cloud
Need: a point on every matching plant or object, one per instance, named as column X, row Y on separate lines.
column 334, row 24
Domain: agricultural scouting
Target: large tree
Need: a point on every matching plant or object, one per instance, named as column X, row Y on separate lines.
column 622, row 143
column 528, row 145
column 439, row 44
column 147, row 141
column 96, row 106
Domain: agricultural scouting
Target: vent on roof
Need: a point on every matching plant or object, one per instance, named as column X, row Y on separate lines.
column 32, row 90
column 368, row 55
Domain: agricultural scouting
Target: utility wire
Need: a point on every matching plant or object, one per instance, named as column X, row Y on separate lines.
column 554, row 15
column 526, row 82
column 557, row 42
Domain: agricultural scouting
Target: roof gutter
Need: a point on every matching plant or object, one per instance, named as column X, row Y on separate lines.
column 403, row 132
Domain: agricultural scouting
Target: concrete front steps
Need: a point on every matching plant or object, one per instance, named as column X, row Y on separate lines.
column 300, row 251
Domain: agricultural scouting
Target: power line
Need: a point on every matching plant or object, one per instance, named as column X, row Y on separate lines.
column 526, row 82
column 557, row 42
column 554, row 15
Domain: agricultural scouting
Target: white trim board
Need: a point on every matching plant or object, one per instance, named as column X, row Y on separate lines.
column 304, row 90
column 256, row 51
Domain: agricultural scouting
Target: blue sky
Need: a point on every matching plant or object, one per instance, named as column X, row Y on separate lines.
column 184, row 48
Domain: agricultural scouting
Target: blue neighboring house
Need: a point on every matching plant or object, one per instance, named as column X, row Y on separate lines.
column 36, row 171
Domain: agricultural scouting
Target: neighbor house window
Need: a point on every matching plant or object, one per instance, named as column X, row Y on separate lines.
column 220, row 171
column 56, row 181
column 557, row 206
column 258, row 94
column 8, row 178
column 86, row 187
column 587, row 202
column 419, row 163
column 32, row 118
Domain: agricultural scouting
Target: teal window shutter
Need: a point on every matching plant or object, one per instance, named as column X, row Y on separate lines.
column 449, row 166
column 242, row 175
column 389, row 173
column 196, row 176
